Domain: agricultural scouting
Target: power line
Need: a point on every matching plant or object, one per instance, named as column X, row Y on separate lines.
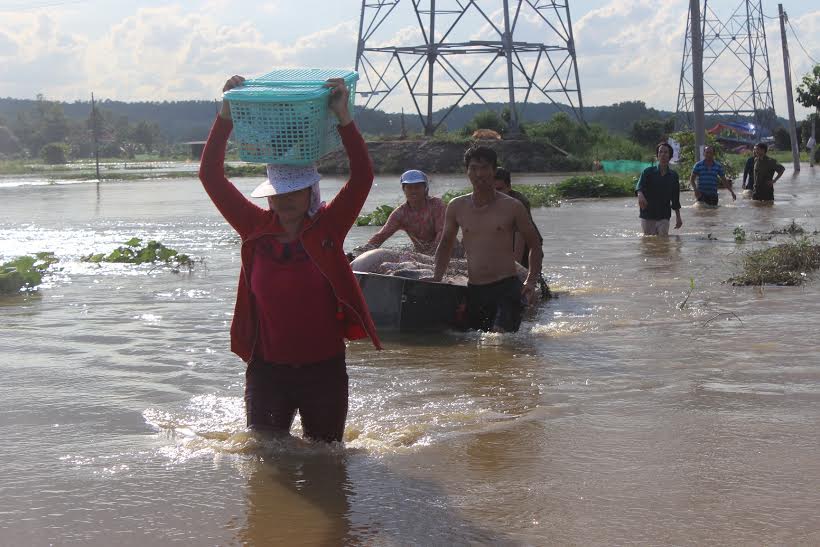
column 801, row 43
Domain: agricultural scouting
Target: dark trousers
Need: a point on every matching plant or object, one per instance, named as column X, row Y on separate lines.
column 763, row 193
column 709, row 199
column 319, row 391
column 495, row 306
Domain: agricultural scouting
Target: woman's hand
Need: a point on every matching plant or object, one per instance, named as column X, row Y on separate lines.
column 233, row 81
column 339, row 98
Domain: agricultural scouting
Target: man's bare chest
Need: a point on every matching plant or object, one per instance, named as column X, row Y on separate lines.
column 487, row 225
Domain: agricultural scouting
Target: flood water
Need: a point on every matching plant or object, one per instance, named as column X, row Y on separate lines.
column 612, row 417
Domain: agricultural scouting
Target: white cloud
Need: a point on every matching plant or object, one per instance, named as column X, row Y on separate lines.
column 155, row 53
column 627, row 49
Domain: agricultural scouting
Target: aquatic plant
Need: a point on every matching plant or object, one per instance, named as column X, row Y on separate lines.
column 450, row 195
column 24, row 272
column 595, row 186
column 784, row 264
column 134, row 252
column 682, row 305
column 376, row 218
column 740, row 234
column 540, row 195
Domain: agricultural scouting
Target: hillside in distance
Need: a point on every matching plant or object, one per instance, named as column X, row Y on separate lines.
column 191, row 120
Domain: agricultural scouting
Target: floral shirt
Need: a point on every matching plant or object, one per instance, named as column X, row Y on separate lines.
column 424, row 226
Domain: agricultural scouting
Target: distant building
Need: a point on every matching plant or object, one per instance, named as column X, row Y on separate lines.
column 196, row 148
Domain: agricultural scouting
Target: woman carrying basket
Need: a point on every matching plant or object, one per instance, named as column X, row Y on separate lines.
column 297, row 298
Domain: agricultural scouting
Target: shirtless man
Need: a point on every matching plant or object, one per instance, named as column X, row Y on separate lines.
column 488, row 220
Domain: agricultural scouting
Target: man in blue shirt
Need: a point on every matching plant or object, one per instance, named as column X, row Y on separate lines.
column 707, row 176
column 658, row 193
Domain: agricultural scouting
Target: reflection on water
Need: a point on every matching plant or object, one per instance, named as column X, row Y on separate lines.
column 649, row 391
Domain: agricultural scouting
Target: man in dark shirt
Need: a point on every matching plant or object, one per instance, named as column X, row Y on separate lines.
column 749, row 171
column 503, row 184
column 764, row 173
column 658, row 193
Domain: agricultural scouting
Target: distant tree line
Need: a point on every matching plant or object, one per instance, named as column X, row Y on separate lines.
column 45, row 131
column 56, row 130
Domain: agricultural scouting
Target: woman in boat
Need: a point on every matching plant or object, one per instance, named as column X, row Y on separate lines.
column 297, row 298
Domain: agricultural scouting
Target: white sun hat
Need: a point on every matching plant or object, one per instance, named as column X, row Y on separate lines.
column 283, row 179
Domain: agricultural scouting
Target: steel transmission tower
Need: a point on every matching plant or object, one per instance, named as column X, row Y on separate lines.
column 442, row 52
column 736, row 76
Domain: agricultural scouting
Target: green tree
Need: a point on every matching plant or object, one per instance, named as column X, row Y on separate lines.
column 9, row 143
column 687, row 160
column 808, row 92
column 564, row 132
column 650, row 132
column 54, row 152
column 488, row 119
column 146, row 135
column 44, row 124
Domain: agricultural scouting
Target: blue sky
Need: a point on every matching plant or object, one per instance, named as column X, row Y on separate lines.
column 151, row 50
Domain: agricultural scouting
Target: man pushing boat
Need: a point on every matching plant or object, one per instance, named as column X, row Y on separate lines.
column 489, row 220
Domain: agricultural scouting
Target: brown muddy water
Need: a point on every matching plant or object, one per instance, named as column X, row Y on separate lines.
column 614, row 417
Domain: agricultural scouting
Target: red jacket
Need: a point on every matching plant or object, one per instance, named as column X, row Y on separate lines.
column 322, row 236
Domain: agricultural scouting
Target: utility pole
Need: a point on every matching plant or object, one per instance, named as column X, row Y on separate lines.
column 697, row 77
column 789, row 98
column 95, row 132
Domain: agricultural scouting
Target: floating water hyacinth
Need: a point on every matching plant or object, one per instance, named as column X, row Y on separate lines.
column 25, row 272
column 153, row 252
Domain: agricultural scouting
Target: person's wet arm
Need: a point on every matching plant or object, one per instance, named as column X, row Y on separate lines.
column 693, row 183
column 780, row 169
column 643, row 203
column 727, row 183
column 675, row 203
column 393, row 225
column 527, row 230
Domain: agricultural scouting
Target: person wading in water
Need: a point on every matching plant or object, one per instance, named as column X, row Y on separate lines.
column 297, row 299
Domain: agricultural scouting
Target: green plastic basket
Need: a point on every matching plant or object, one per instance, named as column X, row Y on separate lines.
column 283, row 116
